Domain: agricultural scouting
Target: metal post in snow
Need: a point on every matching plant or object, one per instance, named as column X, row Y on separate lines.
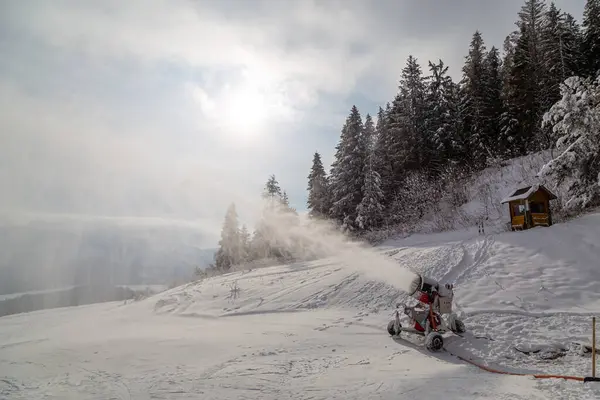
column 593, row 377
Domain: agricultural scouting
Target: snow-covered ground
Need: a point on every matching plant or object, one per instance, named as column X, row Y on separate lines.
column 317, row 330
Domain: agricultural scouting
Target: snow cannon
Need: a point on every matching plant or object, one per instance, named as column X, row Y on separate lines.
column 430, row 291
column 425, row 319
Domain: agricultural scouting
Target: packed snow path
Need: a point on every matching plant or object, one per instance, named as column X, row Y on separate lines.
column 317, row 330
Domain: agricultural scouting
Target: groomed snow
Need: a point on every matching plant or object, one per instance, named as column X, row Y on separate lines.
column 317, row 330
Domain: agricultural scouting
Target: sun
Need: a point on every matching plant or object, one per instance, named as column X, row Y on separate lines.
column 247, row 107
column 245, row 111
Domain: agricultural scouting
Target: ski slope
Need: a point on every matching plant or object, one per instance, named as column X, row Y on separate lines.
column 317, row 330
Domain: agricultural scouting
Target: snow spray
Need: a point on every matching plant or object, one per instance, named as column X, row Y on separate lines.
column 316, row 239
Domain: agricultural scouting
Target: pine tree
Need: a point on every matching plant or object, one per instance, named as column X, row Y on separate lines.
column 493, row 105
column 230, row 247
column 369, row 134
column 259, row 243
column 272, row 189
column 318, row 203
column 285, row 204
column 269, row 239
column 524, row 102
column 440, row 114
column 370, row 209
column 245, row 243
column 508, row 119
column 554, row 65
column 530, row 66
column 406, row 143
column 411, row 115
column 561, row 43
column 382, row 162
column 460, row 141
column 591, row 37
column 572, row 41
column 523, row 92
column 285, row 200
column 473, row 99
column 347, row 171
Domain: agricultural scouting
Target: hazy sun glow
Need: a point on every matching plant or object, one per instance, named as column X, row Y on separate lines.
column 245, row 111
column 244, row 108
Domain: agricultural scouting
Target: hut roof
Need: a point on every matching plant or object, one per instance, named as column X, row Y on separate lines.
column 527, row 192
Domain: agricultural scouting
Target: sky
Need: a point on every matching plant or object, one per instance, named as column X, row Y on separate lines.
column 156, row 110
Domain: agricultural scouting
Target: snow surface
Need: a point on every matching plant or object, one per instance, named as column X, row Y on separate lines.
column 318, row 330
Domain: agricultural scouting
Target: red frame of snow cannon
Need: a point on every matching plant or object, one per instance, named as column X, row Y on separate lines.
column 433, row 317
column 426, row 291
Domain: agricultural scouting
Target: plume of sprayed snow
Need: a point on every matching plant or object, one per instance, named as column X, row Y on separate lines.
column 309, row 239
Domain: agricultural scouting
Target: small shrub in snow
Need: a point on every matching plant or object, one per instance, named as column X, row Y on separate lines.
column 234, row 290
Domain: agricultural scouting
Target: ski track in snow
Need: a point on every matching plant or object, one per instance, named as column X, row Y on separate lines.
column 317, row 330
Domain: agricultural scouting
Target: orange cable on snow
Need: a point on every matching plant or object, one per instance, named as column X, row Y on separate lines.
column 537, row 376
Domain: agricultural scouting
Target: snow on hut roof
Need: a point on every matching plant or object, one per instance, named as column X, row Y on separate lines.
column 526, row 192
column 521, row 194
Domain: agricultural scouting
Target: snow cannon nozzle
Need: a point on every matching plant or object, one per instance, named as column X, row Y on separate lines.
column 423, row 288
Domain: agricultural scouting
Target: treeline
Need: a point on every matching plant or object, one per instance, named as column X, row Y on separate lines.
column 238, row 246
column 436, row 130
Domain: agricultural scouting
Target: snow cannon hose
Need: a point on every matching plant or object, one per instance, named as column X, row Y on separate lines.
column 537, row 376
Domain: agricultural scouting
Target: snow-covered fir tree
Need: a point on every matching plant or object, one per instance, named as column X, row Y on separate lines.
column 318, row 202
column 591, row 37
column 521, row 122
column 439, row 114
column 382, row 162
column 554, row 52
column 473, row 99
column 529, row 68
column 493, row 104
column 270, row 238
column 272, row 190
column 409, row 116
column 561, row 45
column 572, row 41
column 508, row 119
column 347, row 176
column 368, row 135
column 245, row 243
column 230, row 246
column 575, row 122
column 285, row 204
column 370, row 209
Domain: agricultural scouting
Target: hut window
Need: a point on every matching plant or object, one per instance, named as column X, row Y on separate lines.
column 537, row 208
column 518, row 209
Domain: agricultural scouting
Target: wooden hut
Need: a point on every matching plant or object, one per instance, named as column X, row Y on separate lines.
column 530, row 207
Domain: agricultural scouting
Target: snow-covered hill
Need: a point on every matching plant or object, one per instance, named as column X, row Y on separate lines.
column 317, row 330
column 478, row 197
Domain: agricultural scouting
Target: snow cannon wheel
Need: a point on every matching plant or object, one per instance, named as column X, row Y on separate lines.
column 434, row 341
column 391, row 328
column 459, row 326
